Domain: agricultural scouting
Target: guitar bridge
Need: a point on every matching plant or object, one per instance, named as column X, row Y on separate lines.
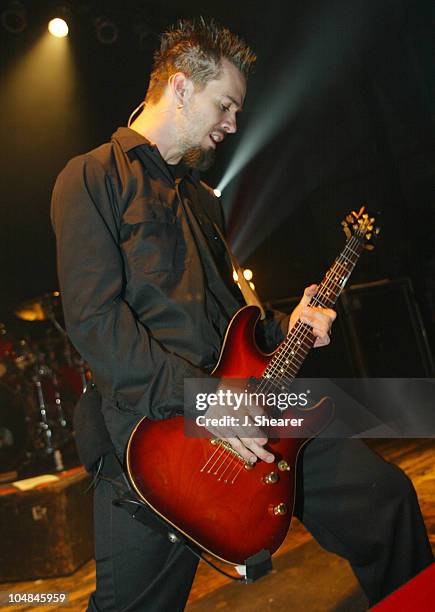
column 231, row 450
column 225, row 463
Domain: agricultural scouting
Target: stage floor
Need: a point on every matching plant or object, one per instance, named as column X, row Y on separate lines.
column 305, row 577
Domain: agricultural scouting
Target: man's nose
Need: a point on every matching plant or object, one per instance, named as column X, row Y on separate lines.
column 230, row 125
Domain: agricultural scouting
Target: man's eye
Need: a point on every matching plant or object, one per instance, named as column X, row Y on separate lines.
column 225, row 108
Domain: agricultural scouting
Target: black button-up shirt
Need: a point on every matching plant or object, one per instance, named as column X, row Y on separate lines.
column 145, row 281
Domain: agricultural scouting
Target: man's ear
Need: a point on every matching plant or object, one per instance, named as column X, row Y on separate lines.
column 181, row 88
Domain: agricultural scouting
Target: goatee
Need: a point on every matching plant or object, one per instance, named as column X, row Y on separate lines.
column 199, row 158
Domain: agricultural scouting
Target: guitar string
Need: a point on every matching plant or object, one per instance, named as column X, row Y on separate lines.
column 228, row 456
column 209, row 459
column 221, row 448
column 233, row 459
column 237, row 464
column 242, row 465
column 223, row 454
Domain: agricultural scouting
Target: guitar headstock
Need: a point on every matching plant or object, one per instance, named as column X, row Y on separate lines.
column 361, row 225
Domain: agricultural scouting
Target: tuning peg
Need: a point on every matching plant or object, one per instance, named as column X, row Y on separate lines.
column 346, row 230
column 349, row 219
column 358, row 214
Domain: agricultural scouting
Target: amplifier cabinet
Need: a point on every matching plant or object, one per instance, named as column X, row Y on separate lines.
column 379, row 333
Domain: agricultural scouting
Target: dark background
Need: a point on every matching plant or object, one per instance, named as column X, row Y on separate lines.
column 359, row 131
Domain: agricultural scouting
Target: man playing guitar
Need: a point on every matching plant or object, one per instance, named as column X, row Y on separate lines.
column 148, row 294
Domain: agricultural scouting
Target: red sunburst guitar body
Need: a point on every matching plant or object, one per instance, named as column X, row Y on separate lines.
column 231, row 520
column 233, row 512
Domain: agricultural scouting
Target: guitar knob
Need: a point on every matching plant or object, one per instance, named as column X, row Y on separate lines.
column 278, row 510
column 271, row 478
column 283, row 466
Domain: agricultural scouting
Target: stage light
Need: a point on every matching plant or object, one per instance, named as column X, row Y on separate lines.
column 248, row 274
column 106, row 31
column 217, row 193
column 58, row 27
column 14, row 18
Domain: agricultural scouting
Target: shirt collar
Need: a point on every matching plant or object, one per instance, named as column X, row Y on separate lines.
column 130, row 139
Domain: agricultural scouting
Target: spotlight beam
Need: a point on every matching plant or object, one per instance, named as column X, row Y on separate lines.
column 331, row 38
column 307, row 74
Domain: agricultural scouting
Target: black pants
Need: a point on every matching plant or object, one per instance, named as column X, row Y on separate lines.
column 353, row 502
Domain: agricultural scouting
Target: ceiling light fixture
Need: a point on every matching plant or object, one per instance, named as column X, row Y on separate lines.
column 14, row 18
column 107, row 31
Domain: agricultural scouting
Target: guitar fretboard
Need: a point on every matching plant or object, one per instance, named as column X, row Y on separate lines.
column 289, row 358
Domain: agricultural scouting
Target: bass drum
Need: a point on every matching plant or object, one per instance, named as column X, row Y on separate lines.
column 13, row 429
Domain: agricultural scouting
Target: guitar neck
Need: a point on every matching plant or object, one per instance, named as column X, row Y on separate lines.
column 292, row 353
column 338, row 274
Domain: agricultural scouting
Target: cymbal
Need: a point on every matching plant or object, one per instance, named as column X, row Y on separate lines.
column 40, row 308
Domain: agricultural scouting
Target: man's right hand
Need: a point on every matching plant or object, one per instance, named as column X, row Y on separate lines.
column 250, row 447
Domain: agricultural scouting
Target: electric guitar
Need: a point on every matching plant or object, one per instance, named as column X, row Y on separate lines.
column 202, row 486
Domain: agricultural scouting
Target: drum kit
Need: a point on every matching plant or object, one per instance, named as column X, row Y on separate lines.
column 40, row 382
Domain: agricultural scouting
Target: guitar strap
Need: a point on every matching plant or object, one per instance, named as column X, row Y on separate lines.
column 249, row 294
column 110, row 470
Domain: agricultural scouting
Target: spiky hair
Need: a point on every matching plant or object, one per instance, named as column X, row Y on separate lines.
column 196, row 48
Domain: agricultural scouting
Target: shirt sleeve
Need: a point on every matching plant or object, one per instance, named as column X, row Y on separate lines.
column 130, row 367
